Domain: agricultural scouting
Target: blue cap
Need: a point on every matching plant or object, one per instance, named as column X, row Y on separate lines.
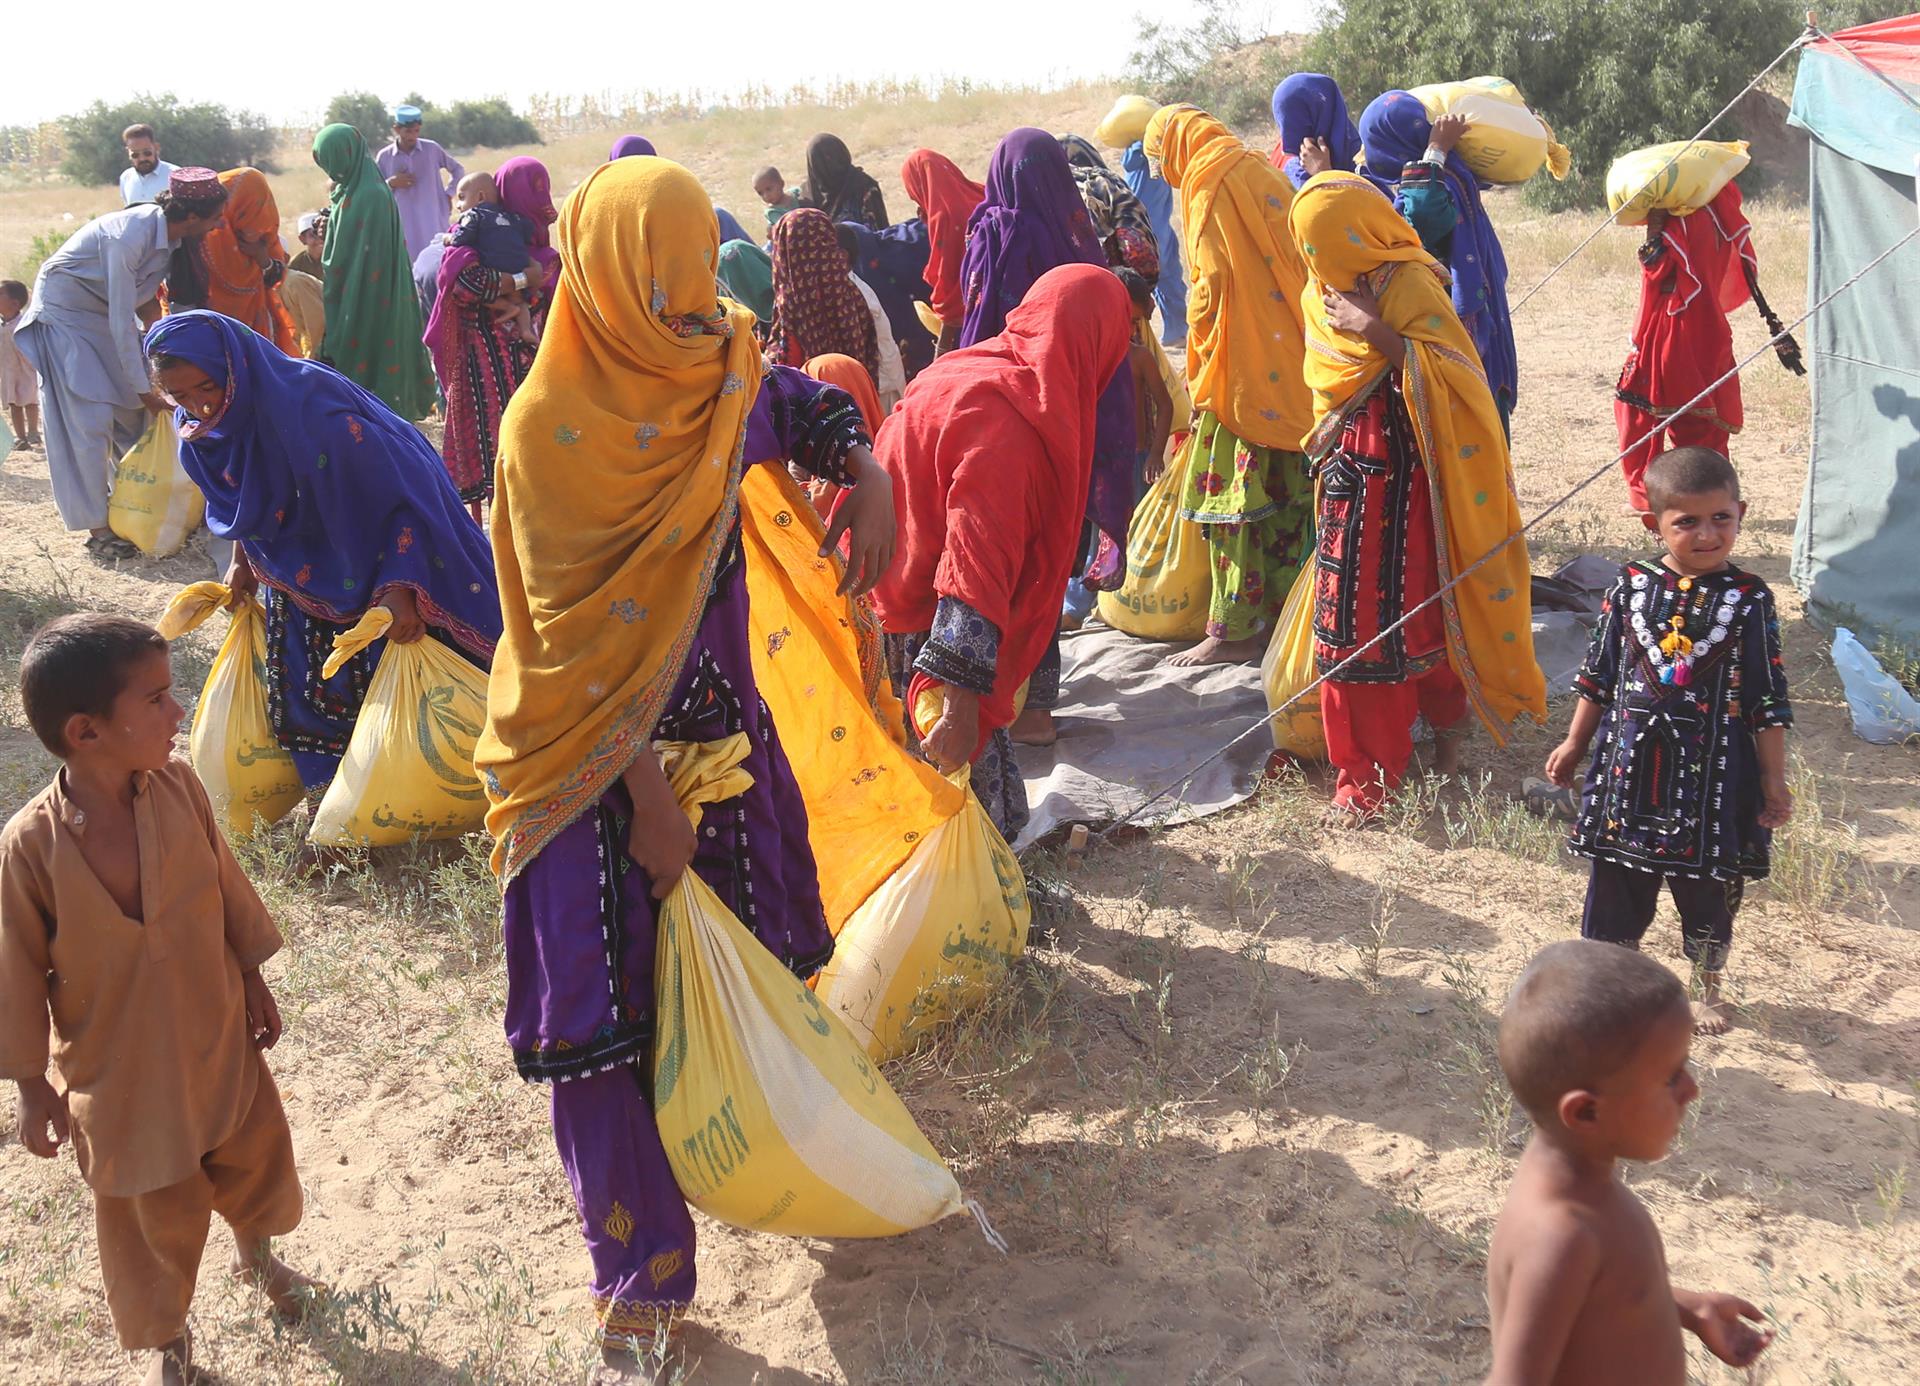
column 406, row 115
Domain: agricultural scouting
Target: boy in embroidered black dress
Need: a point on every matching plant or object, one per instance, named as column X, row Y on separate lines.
column 1685, row 684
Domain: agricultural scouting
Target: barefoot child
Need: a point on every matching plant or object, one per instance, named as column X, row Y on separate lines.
column 124, row 914
column 502, row 240
column 1685, row 685
column 1594, row 1042
column 19, row 386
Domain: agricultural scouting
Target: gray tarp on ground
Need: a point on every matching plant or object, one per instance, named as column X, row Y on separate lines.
column 1858, row 536
column 1103, row 767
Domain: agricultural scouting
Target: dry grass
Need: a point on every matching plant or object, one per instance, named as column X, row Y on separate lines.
column 1238, row 1115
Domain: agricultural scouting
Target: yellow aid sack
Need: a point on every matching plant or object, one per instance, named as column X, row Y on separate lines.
column 1125, row 123
column 408, row 769
column 249, row 778
column 1169, row 577
column 1288, row 667
column 1506, row 141
column 1677, row 177
column 934, row 939
column 772, row 1115
column 154, row 505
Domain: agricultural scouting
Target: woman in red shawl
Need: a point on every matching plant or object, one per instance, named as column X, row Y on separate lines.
column 1695, row 270
column 990, row 453
column 478, row 358
column 945, row 198
column 817, row 311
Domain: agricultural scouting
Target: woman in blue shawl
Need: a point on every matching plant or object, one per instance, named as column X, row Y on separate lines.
column 1170, row 289
column 1033, row 220
column 334, row 504
column 730, row 229
column 893, row 263
column 1432, row 187
column 1310, row 106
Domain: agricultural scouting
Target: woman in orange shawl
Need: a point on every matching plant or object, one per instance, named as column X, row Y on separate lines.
column 945, row 198
column 244, row 262
column 1415, row 489
column 990, row 452
column 618, row 542
column 1246, row 483
column 851, row 376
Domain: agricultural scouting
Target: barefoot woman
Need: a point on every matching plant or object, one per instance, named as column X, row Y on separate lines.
column 1246, row 481
column 616, row 533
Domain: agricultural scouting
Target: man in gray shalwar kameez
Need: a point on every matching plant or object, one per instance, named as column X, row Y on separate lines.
column 81, row 332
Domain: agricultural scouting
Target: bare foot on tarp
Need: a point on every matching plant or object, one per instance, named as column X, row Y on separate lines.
column 1034, row 727
column 1214, row 650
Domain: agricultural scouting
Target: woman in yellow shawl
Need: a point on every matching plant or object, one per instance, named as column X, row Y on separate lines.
column 1246, row 482
column 1415, row 489
column 617, row 539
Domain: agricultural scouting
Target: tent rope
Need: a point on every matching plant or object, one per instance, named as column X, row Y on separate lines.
column 1805, row 38
column 1175, row 786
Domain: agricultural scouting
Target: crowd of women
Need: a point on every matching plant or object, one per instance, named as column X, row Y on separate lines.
column 972, row 399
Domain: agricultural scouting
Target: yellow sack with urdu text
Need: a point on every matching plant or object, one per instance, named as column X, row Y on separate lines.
column 772, row 1116
column 1169, row 577
column 1676, row 177
column 1505, row 142
column 408, row 769
column 1126, row 122
column 1288, row 667
column 250, row 779
column 934, row 939
column 154, row 505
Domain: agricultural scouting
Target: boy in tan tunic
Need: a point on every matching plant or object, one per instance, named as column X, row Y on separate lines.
column 124, row 915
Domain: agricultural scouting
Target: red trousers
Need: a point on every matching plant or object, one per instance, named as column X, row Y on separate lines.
column 1369, row 729
column 1679, row 431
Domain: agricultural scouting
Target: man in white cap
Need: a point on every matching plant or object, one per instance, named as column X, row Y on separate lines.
column 422, row 176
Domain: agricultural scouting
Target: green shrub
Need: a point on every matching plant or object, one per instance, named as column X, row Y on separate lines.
column 200, row 134
column 39, row 250
column 1608, row 77
column 491, row 123
column 365, row 112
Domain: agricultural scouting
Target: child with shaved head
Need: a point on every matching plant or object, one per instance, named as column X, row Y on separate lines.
column 1594, row 1041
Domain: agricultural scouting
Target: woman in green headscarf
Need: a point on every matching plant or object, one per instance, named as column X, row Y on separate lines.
column 746, row 277
column 373, row 318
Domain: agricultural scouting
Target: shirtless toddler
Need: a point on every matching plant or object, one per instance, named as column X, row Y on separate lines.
column 1594, row 1041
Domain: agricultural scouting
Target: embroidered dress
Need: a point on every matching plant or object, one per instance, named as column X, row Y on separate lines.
column 1674, row 787
column 1257, row 514
column 480, row 364
column 580, row 918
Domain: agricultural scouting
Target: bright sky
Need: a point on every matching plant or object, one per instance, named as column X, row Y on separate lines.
column 287, row 60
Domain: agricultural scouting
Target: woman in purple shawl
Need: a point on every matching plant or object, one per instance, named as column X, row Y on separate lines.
column 629, row 145
column 479, row 360
column 1311, row 106
column 334, row 504
column 1033, row 220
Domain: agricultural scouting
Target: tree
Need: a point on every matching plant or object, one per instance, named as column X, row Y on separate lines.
column 202, row 134
column 365, row 112
column 1609, row 75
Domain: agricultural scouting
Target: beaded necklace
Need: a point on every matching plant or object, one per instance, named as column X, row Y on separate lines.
column 1675, row 654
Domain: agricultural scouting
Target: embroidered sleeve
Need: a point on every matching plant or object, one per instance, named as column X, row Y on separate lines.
column 476, row 284
column 1763, row 675
column 1600, row 671
column 963, row 649
column 814, row 424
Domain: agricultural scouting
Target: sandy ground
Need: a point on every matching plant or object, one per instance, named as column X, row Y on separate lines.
column 1238, row 1119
